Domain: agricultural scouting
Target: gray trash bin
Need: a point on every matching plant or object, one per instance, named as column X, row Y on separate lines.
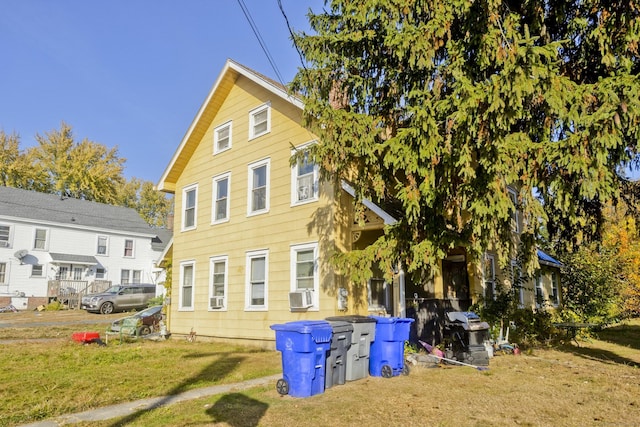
column 364, row 331
column 336, row 364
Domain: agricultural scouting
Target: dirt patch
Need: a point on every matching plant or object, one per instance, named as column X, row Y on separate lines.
column 28, row 319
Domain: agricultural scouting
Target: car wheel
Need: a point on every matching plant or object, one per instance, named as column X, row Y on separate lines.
column 144, row 330
column 106, row 308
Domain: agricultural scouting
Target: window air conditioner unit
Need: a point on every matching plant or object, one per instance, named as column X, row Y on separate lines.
column 301, row 299
column 216, row 302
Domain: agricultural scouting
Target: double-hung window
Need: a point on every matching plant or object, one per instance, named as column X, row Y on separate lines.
column 222, row 138
column 257, row 280
column 36, row 270
column 304, row 269
column 221, row 186
column 128, row 248
column 489, row 277
column 539, row 291
column 102, row 245
column 124, row 277
column 3, row 273
column 40, row 239
column 187, row 275
column 5, row 232
column 189, row 207
column 259, row 121
column 304, row 180
column 218, row 284
column 555, row 286
column 258, row 194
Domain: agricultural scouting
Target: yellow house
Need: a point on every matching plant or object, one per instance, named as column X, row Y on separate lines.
column 253, row 233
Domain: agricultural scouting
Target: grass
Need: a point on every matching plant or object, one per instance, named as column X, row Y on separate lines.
column 594, row 384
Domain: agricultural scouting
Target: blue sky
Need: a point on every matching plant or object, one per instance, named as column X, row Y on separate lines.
column 131, row 73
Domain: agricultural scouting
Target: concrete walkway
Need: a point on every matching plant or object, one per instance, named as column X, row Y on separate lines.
column 130, row 408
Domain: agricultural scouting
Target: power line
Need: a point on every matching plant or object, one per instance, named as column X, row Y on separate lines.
column 293, row 38
column 261, row 41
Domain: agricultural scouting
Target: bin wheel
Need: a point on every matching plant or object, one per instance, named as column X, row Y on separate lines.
column 387, row 372
column 405, row 369
column 282, row 386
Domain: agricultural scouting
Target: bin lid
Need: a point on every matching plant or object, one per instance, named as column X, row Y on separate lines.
column 339, row 326
column 383, row 319
column 354, row 318
column 320, row 330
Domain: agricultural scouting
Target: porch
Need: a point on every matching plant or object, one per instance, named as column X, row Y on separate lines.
column 70, row 292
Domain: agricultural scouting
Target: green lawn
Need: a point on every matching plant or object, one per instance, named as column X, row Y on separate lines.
column 597, row 383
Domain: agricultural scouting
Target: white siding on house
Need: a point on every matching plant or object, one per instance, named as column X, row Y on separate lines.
column 66, row 240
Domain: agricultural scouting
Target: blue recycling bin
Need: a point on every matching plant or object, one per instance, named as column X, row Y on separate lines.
column 386, row 358
column 304, row 345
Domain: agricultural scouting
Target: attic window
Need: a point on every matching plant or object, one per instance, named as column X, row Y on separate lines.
column 222, row 138
column 259, row 121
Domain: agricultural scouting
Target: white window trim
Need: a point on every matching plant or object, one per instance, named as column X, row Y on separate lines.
column 7, row 267
column 106, row 249
column 486, row 279
column 9, row 236
column 124, row 281
column 316, row 277
column 252, row 114
column 555, row 283
column 228, row 124
column 43, row 271
column 184, row 264
column 538, row 283
column 247, row 301
column 212, row 261
column 513, row 196
column 214, row 194
column 294, row 179
column 46, row 238
column 185, row 190
column 133, row 249
column 250, row 169
column 104, row 273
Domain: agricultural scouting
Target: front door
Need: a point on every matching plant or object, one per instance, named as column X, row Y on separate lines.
column 456, row 284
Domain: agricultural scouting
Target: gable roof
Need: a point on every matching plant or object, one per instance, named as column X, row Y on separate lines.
column 212, row 103
column 388, row 219
column 51, row 208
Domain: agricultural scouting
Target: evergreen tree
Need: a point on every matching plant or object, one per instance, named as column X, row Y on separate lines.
column 433, row 108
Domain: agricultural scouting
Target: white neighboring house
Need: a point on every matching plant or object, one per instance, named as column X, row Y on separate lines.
column 58, row 247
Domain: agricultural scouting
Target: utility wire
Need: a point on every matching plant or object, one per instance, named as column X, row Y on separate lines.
column 293, row 38
column 261, row 41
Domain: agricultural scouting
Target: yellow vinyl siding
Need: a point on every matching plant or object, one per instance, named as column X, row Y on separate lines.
column 284, row 225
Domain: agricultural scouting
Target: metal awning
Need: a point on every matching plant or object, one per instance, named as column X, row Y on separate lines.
column 546, row 259
column 57, row 258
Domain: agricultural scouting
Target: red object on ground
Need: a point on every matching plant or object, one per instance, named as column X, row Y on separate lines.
column 85, row 337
